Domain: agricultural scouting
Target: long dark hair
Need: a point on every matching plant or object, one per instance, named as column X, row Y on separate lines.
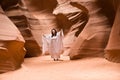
column 53, row 34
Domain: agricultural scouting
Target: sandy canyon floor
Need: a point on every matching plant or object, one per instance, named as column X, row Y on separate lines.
column 44, row 68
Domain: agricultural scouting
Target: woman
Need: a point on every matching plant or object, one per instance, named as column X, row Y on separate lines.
column 53, row 44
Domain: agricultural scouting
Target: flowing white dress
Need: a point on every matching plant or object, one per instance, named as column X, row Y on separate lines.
column 53, row 45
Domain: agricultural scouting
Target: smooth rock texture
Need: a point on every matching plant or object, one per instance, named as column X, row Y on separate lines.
column 72, row 18
column 12, row 50
column 42, row 11
column 20, row 16
column 112, row 51
column 94, row 37
column 41, row 5
column 91, row 28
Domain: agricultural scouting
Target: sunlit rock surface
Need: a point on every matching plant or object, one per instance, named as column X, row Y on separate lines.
column 91, row 28
column 102, row 18
column 94, row 37
column 12, row 50
column 19, row 15
column 42, row 11
column 71, row 17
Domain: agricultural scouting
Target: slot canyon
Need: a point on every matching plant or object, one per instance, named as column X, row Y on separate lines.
column 91, row 39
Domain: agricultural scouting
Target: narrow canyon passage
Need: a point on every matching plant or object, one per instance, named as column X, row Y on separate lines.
column 44, row 68
column 89, row 29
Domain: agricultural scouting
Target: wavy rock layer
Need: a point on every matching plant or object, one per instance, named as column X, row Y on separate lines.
column 94, row 37
column 20, row 16
column 90, row 27
column 72, row 18
column 112, row 51
column 42, row 11
column 12, row 50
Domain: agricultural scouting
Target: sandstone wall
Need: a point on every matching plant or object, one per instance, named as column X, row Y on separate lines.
column 94, row 37
column 112, row 51
column 19, row 15
column 12, row 50
column 41, row 10
column 91, row 28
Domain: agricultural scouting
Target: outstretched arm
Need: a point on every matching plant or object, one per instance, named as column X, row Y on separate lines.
column 61, row 33
column 44, row 35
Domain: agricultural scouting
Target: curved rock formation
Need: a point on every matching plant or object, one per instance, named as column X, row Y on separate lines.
column 42, row 11
column 112, row 51
column 12, row 50
column 87, row 25
column 71, row 17
column 94, row 37
column 20, row 16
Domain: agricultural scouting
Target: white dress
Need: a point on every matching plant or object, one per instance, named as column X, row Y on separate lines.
column 53, row 45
